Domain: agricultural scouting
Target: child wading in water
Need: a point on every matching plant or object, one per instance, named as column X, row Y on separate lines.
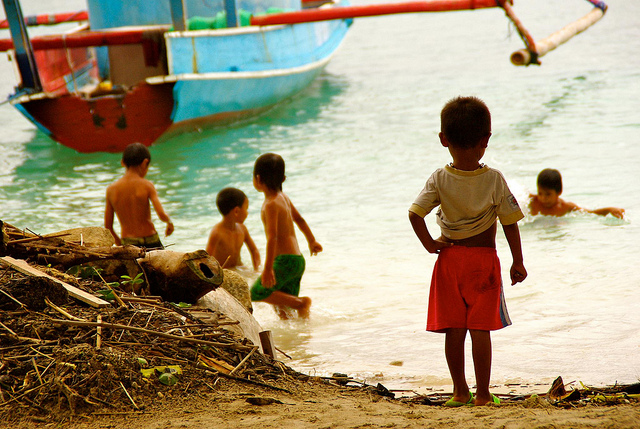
column 548, row 202
column 129, row 198
column 284, row 264
column 466, row 286
column 228, row 235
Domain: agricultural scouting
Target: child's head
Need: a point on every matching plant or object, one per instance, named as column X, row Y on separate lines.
column 550, row 179
column 230, row 198
column 549, row 187
column 269, row 169
column 465, row 121
column 135, row 154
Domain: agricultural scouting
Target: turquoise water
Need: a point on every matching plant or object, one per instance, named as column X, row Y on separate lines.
column 359, row 145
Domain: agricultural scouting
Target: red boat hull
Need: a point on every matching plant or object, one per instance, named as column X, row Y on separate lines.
column 107, row 123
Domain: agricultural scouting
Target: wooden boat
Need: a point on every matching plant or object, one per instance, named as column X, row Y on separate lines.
column 140, row 70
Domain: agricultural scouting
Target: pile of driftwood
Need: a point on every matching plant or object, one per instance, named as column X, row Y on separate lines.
column 63, row 249
column 73, row 345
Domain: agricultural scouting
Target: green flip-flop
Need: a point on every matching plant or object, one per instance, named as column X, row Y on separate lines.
column 452, row 403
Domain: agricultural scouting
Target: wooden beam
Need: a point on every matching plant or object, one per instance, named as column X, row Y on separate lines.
column 22, row 266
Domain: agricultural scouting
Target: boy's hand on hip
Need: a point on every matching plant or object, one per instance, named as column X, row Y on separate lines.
column 315, row 248
column 518, row 273
column 438, row 245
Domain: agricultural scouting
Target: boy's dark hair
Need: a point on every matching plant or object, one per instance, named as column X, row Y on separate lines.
column 550, row 179
column 134, row 154
column 270, row 168
column 464, row 121
column 228, row 199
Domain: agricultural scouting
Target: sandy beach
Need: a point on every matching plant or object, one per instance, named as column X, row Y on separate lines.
column 319, row 405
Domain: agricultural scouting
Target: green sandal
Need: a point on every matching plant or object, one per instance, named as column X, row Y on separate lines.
column 452, row 403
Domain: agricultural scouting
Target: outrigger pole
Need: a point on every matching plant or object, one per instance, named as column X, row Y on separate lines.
column 535, row 50
column 530, row 55
column 313, row 15
column 54, row 19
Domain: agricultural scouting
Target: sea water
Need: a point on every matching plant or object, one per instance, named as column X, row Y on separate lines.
column 359, row 144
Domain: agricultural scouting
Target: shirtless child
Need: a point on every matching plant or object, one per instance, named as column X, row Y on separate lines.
column 129, row 197
column 548, row 202
column 228, row 235
column 284, row 264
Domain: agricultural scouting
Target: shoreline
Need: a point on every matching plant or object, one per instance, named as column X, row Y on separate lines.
column 313, row 404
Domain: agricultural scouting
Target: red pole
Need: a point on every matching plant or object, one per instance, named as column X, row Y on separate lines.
column 82, row 39
column 58, row 18
column 313, row 15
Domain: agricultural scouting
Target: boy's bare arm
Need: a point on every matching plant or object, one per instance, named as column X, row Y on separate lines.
column 420, row 228
column 518, row 273
column 614, row 211
column 108, row 222
column 314, row 246
column 253, row 249
column 157, row 205
column 270, row 219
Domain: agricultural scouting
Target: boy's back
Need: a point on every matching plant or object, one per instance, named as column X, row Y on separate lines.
column 282, row 213
column 129, row 196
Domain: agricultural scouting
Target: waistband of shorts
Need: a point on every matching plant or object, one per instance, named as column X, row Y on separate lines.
column 141, row 241
column 288, row 257
column 469, row 250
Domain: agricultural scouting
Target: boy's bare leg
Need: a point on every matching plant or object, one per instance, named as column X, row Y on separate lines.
column 302, row 304
column 282, row 312
column 481, row 350
column 454, row 351
column 304, row 310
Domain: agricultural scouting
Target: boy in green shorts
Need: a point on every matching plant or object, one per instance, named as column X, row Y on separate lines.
column 284, row 265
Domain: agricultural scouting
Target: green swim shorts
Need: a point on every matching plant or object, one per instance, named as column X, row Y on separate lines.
column 288, row 270
column 150, row 242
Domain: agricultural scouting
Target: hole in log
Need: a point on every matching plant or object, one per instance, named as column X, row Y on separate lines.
column 206, row 270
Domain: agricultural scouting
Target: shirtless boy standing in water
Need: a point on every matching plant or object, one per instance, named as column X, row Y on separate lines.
column 284, row 265
column 228, row 235
column 129, row 197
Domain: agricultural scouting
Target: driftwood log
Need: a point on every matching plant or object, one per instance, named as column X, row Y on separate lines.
column 65, row 249
column 181, row 277
column 223, row 302
column 238, row 287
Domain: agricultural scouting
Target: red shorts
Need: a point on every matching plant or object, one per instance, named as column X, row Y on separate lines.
column 466, row 291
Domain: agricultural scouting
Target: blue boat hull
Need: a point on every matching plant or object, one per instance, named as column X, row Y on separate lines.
column 251, row 70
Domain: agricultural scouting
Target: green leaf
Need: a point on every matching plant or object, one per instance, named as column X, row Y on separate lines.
column 147, row 372
column 107, row 294
column 168, row 379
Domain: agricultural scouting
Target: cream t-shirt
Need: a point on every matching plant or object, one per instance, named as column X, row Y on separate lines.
column 470, row 201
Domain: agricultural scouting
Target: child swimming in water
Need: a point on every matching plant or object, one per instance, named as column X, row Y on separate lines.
column 548, row 202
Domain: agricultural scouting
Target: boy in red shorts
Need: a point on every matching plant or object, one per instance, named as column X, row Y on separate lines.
column 466, row 285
